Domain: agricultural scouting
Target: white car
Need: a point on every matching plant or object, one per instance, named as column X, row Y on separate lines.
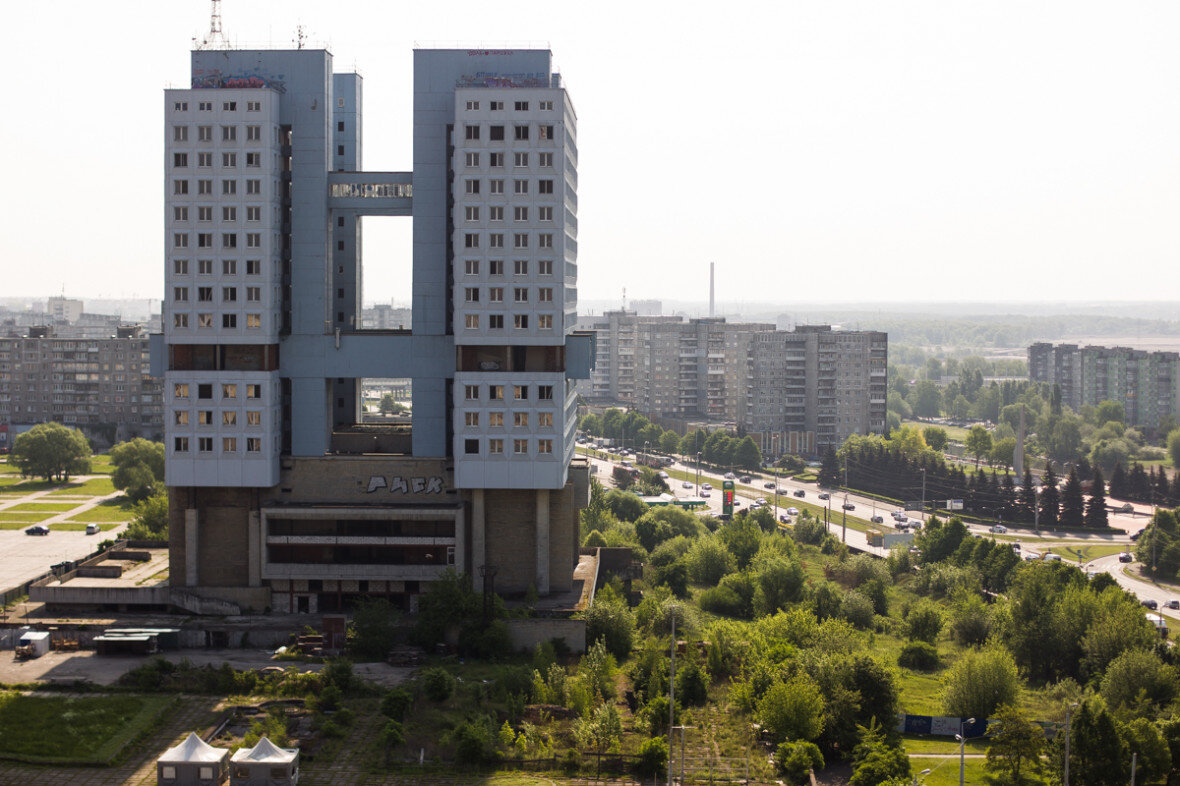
column 999, row 529
column 704, row 492
column 663, row 475
column 760, row 501
column 706, row 487
column 792, row 511
column 730, row 476
column 686, row 485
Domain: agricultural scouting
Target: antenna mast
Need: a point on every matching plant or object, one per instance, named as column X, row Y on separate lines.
column 215, row 39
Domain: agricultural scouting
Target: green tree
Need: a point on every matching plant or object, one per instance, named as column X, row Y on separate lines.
column 1073, row 503
column 391, row 406
column 624, row 506
column 1139, row 680
column 1173, row 443
column 601, row 729
column 1014, row 756
column 795, row 760
column 609, row 619
column 1003, row 452
column 1109, row 411
column 923, row 622
column 1096, row 515
column 139, row 468
column 829, row 469
column 709, row 561
column 793, row 710
column 1098, row 755
column 877, row 762
column 979, row 682
column 373, row 630
column 1154, row 756
column 591, row 424
column 925, row 399
column 936, row 438
column 669, row 441
column 747, row 455
column 978, row 442
column 1050, row 500
column 150, row 520
column 51, row 451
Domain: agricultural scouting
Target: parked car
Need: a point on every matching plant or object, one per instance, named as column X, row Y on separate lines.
column 848, row 506
column 792, row 511
column 902, row 525
column 824, row 495
column 93, row 529
column 1126, row 557
column 37, row 529
column 1172, row 604
column 999, row 529
column 915, row 523
column 1149, row 603
column 1126, row 508
column 799, row 493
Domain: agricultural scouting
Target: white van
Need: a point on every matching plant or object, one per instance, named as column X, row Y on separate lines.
column 93, row 529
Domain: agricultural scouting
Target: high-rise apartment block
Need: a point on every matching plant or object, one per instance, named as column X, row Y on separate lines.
column 99, row 385
column 283, row 496
column 794, row 392
column 1147, row 384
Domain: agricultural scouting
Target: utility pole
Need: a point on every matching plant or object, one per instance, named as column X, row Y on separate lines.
column 844, row 518
column 672, row 704
column 922, row 513
column 1134, row 761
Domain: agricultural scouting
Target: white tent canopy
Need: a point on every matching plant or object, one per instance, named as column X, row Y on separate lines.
column 265, row 752
column 193, row 750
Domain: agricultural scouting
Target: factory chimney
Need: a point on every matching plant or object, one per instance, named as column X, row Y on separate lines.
column 711, row 264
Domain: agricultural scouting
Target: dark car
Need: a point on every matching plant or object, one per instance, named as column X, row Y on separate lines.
column 745, row 479
column 1126, row 557
column 824, row 495
column 1136, row 535
column 1149, row 603
column 799, row 493
column 37, row 529
column 877, row 519
column 768, row 484
column 848, row 506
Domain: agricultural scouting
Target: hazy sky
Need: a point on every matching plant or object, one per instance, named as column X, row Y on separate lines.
column 910, row 151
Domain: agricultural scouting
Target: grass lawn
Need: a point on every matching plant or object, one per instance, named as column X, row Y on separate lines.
column 80, row 526
column 101, row 465
column 941, row 745
column 952, row 432
column 117, row 509
column 945, row 772
column 18, row 520
column 83, row 730
column 95, row 487
column 1087, row 553
column 15, row 483
column 9, row 469
column 41, row 507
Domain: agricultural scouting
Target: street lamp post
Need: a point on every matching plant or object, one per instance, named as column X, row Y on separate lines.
column 962, row 736
column 698, row 473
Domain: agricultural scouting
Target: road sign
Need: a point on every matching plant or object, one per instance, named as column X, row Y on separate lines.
column 727, row 497
column 914, row 505
column 954, row 504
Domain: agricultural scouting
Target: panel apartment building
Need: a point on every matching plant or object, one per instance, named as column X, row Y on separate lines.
column 1147, row 384
column 282, row 496
column 794, row 392
column 99, row 385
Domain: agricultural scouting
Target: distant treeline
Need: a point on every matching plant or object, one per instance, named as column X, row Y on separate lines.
column 1010, row 331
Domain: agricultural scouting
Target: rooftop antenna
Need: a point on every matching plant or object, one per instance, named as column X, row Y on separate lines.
column 300, row 37
column 624, row 298
column 215, row 39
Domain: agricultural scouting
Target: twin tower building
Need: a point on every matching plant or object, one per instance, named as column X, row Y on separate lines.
column 284, row 494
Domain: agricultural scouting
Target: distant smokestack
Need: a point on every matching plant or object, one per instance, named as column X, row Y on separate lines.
column 711, row 264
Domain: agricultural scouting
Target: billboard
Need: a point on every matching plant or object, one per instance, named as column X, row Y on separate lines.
column 727, row 497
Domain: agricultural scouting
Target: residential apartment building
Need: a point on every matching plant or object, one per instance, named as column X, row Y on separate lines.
column 795, row 392
column 282, row 495
column 99, row 385
column 1147, row 384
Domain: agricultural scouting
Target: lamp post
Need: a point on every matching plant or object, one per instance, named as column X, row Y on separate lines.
column 923, row 772
column 698, row 462
column 962, row 738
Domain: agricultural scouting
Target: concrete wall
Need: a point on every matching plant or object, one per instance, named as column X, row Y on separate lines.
column 527, row 634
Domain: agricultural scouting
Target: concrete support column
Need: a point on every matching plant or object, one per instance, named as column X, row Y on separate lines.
column 254, row 546
column 310, row 408
column 191, row 548
column 461, row 542
column 478, row 524
column 542, row 541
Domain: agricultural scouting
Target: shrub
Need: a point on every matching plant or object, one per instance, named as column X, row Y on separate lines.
column 653, row 757
column 613, row 623
column 923, row 622
column 692, row 684
column 474, row 742
column 918, row 655
column 709, row 561
column 857, row 609
column 724, row 601
column 396, row 703
column 438, row 684
column 979, row 682
column 795, row 760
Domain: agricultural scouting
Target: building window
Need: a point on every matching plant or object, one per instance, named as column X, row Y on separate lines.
column 545, row 419
column 253, row 445
column 180, row 267
column 204, row 160
column 204, row 133
column 180, row 213
column 180, row 320
column 471, row 294
column 545, row 160
column 520, row 321
column 229, row 240
column 471, row 392
column 205, row 294
column 520, row 294
column 496, row 186
column 471, row 447
column 180, row 417
column 205, row 240
column 496, row 213
column 496, row 294
column 471, row 159
column 545, row 321
column 253, row 240
column 496, row 321
column 205, row 267
column 496, row 106
column 229, row 214
column 496, row 392
column 520, row 133
column 472, row 106
column 253, row 320
column 471, row 321
column 545, row 213
column 179, row 187
column 520, row 392
column 180, row 240
column 496, row 240
column 180, row 294
column 253, row 186
column 229, row 391
column 520, row 267
column 544, row 446
column 545, row 240
column 229, row 294
column 545, row 267
column 496, row 419
column 253, row 391
column 254, row 106
column 496, row 133
column 228, row 106
column 229, row 320
column 204, row 213
column 520, row 213
column 205, row 418
column 497, row 159
column 179, row 445
column 254, row 159
column 520, row 186
column 471, row 267
column 521, row 106
column 520, row 419
column 520, row 159
column 229, row 418
column 472, row 187
column 180, row 159
column 520, row 446
column 253, row 133
column 520, row 240
column 205, row 187
column 471, row 418
column 230, row 133
column 471, row 131
column 253, row 294
column 253, row 267
column 545, row 295
column 255, row 213
column 495, row 446
column 229, row 187
column 545, row 132
column 545, row 106
column 229, row 159
column 471, row 213
column 229, row 267
column 229, row 444
column 204, row 320
column 545, row 186
column 471, row 240
column 254, row 418
column 495, row 267
column 545, row 392
column 180, row 390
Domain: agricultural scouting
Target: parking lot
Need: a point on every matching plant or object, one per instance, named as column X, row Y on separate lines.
column 28, row 556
